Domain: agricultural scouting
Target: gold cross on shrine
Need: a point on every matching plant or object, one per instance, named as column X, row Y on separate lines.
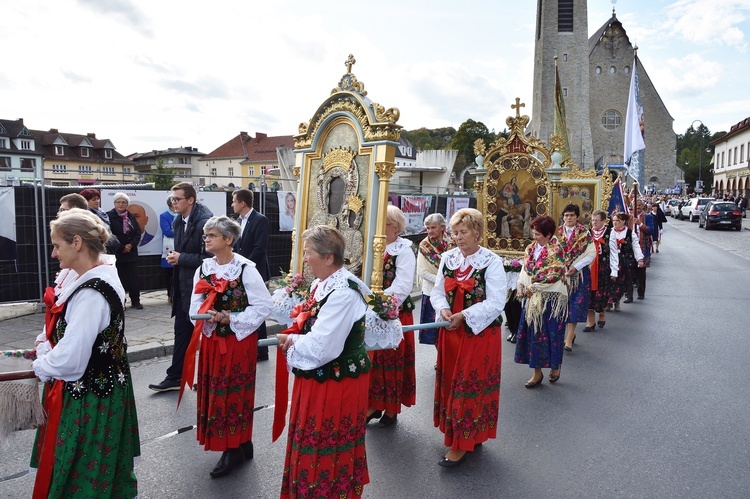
column 517, row 106
column 349, row 63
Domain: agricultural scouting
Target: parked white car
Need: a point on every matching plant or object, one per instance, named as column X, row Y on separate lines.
column 693, row 208
column 671, row 208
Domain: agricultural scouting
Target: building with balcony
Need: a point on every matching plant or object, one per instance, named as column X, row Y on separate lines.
column 71, row 159
column 243, row 160
column 182, row 160
column 732, row 160
column 21, row 156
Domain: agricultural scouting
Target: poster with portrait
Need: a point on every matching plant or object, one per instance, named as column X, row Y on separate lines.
column 287, row 210
column 415, row 208
column 8, row 247
column 586, row 193
column 452, row 205
column 147, row 206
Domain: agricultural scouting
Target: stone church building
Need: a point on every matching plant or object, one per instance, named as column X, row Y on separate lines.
column 595, row 75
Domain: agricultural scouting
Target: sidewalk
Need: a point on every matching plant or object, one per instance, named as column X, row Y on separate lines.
column 150, row 332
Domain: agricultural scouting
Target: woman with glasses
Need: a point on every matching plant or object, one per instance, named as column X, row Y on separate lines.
column 231, row 291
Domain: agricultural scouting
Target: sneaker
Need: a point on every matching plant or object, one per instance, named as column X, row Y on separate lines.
column 168, row 385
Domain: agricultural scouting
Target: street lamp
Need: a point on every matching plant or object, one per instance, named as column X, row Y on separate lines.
column 700, row 154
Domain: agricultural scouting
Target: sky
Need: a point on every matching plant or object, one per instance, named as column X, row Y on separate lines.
column 157, row 74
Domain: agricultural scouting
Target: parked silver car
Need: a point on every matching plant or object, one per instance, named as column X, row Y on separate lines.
column 671, row 208
column 693, row 208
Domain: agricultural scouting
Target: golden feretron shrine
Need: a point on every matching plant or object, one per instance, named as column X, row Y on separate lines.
column 344, row 159
column 519, row 178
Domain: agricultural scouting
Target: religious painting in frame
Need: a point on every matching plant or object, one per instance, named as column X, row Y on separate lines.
column 585, row 189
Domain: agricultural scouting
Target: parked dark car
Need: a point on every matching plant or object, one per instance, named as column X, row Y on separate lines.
column 720, row 214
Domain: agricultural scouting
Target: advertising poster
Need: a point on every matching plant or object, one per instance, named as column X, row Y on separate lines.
column 452, row 205
column 8, row 250
column 415, row 208
column 287, row 210
column 146, row 206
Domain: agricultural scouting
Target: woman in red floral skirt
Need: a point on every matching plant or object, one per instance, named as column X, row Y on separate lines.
column 470, row 292
column 393, row 380
column 228, row 288
column 325, row 452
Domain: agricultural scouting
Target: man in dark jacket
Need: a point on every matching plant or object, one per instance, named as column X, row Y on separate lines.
column 126, row 230
column 253, row 244
column 189, row 252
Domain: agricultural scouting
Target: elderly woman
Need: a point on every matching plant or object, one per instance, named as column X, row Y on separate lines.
column 393, row 378
column 126, row 230
column 470, row 293
column 630, row 258
column 82, row 449
column 325, row 453
column 431, row 249
column 603, row 270
column 541, row 284
column 228, row 288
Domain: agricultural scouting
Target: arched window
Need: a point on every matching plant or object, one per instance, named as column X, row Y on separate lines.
column 598, row 70
column 612, row 70
column 611, row 119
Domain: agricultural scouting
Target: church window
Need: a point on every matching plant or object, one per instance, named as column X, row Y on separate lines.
column 598, row 70
column 565, row 16
column 565, row 57
column 565, row 92
column 612, row 70
column 627, row 69
column 539, row 20
column 611, row 119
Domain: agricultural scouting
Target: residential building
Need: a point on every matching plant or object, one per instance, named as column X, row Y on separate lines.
column 243, row 160
column 21, row 157
column 72, row 159
column 732, row 160
column 182, row 160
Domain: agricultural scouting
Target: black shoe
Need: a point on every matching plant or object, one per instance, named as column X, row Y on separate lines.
column 447, row 463
column 137, row 306
column 588, row 329
column 554, row 377
column 377, row 414
column 629, row 299
column 262, row 358
column 641, row 297
column 511, row 337
column 601, row 324
column 532, row 384
column 230, row 459
column 247, row 450
column 387, row 421
column 567, row 349
column 168, row 385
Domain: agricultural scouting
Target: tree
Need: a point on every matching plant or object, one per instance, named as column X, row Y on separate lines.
column 425, row 138
column 463, row 142
column 163, row 178
column 690, row 158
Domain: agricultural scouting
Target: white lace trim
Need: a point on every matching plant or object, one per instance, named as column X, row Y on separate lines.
column 229, row 271
column 242, row 324
column 397, row 246
column 380, row 334
column 283, row 304
column 337, row 280
column 454, row 259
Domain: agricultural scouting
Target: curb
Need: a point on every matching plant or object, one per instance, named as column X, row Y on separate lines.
column 155, row 350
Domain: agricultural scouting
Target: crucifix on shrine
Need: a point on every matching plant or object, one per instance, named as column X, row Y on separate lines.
column 517, row 106
column 350, row 61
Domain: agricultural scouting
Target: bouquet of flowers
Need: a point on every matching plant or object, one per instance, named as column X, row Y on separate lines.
column 291, row 291
column 382, row 327
column 512, row 265
column 386, row 306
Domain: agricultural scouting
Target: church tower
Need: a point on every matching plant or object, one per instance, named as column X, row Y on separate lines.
column 562, row 31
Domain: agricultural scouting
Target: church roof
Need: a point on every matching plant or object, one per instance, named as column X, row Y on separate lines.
column 608, row 33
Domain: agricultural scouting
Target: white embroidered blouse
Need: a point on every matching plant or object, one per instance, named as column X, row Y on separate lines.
column 325, row 340
column 244, row 323
column 480, row 315
column 406, row 265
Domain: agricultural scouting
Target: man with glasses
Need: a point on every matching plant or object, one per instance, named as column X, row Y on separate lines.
column 189, row 252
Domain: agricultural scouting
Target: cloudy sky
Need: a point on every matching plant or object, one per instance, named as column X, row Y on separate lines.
column 155, row 74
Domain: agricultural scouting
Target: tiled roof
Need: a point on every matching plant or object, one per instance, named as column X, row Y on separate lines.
column 260, row 148
column 71, row 151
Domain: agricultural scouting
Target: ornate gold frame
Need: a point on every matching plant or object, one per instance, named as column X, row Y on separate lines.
column 602, row 185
